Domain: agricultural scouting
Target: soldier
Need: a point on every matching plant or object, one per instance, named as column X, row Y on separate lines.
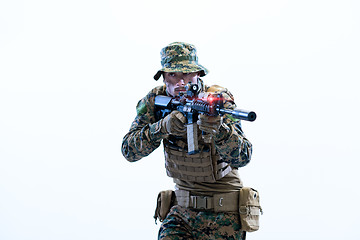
column 205, row 202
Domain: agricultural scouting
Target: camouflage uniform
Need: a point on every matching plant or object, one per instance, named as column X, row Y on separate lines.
column 231, row 145
column 184, row 223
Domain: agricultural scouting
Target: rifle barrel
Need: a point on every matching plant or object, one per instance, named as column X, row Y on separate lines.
column 239, row 114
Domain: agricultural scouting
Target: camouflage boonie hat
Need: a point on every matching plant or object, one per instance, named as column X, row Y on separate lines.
column 180, row 57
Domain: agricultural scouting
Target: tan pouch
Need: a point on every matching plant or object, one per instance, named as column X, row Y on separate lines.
column 165, row 201
column 249, row 209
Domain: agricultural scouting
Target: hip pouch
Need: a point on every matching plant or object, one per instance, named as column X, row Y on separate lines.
column 165, row 201
column 249, row 209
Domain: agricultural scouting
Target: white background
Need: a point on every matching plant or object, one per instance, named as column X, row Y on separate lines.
column 71, row 73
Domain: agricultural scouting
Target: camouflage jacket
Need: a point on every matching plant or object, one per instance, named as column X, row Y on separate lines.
column 145, row 136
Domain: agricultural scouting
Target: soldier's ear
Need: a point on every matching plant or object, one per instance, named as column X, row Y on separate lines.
column 198, row 75
column 164, row 80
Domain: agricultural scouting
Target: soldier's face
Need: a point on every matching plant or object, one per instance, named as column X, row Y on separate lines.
column 176, row 81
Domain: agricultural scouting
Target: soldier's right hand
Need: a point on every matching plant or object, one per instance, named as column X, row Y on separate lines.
column 174, row 124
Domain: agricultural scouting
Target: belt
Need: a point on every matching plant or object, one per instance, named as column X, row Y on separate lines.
column 222, row 202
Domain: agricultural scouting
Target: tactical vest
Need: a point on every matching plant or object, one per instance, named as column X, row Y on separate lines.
column 200, row 167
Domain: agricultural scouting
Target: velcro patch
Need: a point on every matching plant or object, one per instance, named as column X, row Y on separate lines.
column 141, row 108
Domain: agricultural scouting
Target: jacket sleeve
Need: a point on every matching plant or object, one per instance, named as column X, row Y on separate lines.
column 231, row 143
column 144, row 135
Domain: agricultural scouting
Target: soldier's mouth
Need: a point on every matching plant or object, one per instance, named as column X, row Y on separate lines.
column 180, row 89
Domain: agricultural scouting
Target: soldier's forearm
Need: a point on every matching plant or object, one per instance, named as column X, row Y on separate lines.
column 155, row 134
column 137, row 144
column 234, row 148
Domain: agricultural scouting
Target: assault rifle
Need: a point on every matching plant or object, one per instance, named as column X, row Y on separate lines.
column 192, row 103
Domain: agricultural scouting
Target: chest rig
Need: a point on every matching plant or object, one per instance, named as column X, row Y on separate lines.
column 204, row 166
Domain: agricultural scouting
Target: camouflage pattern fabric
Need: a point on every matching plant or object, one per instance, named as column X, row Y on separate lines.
column 144, row 135
column 184, row 223
column 180, row 57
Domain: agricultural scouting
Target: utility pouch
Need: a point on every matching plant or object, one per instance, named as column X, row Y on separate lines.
column 165, row 201
column 249, row 209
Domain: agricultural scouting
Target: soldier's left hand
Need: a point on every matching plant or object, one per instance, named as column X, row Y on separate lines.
column 210, row 124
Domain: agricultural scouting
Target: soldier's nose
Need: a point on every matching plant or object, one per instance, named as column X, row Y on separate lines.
column 181, row 81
